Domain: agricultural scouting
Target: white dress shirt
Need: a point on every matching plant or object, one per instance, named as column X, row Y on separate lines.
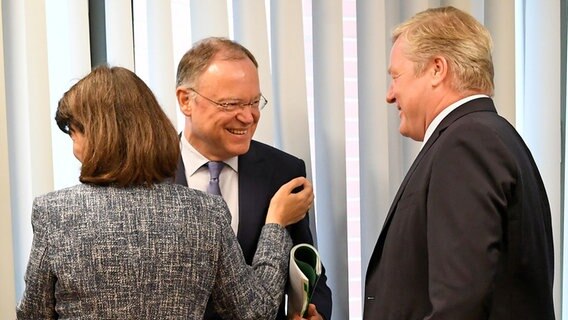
column 197, row 176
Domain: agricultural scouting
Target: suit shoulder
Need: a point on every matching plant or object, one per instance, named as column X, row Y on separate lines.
column 273, row 152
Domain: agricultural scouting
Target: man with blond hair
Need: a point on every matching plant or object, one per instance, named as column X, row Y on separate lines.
column 468, row 235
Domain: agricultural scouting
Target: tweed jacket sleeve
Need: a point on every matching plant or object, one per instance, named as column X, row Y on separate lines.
column 252, row 292
column 146, row 253
column 39, row 278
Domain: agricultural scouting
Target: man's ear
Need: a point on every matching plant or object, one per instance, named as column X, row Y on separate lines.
column 439, row 70
column 184, row 101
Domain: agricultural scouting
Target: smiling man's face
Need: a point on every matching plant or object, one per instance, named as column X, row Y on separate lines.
column 408, row 92
column 218, row 134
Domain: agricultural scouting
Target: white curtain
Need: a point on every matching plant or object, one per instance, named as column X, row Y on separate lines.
column 7, row 295
column 119, row 33
column 323, row 67
column 539, row 109
column 28, row 127
column 329, row 139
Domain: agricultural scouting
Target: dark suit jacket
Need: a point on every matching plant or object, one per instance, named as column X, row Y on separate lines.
column 468, row 235
column 262, row 171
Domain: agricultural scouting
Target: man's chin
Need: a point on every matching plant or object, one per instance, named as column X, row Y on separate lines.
column 402, row 130
column 241, row 149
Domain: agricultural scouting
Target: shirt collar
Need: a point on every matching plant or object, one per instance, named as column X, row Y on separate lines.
column 197, row 160
column 434, row 124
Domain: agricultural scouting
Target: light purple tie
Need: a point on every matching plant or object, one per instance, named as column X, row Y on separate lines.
column 215, row 168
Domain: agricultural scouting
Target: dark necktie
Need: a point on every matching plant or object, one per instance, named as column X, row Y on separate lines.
column 215, row 168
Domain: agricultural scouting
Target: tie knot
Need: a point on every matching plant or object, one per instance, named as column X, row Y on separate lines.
column 215, row 168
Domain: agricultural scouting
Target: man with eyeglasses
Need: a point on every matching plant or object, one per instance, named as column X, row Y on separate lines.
column 218, row 91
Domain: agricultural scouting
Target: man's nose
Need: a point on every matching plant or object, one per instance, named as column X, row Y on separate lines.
column 246, row 115
column 390, row 95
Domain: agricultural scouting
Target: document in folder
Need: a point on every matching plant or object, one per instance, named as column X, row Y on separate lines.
column 305, row 271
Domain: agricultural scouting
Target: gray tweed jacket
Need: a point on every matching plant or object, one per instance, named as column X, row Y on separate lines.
column 146, row 253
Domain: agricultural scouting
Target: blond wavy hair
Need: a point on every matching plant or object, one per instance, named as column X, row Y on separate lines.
column 457, row 36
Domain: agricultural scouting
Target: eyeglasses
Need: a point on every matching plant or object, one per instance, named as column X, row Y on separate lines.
column 68, row 125
column 232, row 106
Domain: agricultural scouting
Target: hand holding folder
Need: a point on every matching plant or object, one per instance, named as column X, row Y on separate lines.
column 305, row 271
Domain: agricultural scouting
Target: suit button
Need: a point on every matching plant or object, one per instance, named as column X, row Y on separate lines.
column 370, row 298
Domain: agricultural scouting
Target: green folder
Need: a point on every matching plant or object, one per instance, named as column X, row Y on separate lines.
column 305, row 271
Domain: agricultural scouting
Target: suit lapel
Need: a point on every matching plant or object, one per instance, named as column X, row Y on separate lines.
column 180, row 170
column 377, row 251
column 180, row 173
column 482, row 104
column 254, row 185
column 476, row 105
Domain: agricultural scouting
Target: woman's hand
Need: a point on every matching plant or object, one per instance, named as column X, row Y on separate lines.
column 287, row 206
